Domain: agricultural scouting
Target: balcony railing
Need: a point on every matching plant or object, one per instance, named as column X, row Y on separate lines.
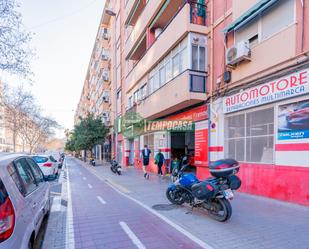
column 198, row 12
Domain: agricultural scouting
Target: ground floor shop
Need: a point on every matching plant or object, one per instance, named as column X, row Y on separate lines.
column 173, row 144
column 266, row 128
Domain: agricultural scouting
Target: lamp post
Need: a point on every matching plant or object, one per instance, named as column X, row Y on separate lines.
column 113, row 14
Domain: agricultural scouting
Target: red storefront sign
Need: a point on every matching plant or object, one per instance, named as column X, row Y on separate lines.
column 201, row 143
column 195, row 114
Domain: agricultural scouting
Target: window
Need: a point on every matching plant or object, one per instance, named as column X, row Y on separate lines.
column 40, row 159
column 156, row 81
column 15, row 178
column 3, row 194
column 176, row 63
column 144, row 91
column 197, row 83
column 36, row 171
column 168, row 70
column 198, row 58
column 250, row 136
column 151, row 85
column 269, row 22
column 162, row 76
column 277, row 17
column 135, row 96
column 26, row 175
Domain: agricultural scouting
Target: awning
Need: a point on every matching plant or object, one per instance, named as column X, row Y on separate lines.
column 249, row 15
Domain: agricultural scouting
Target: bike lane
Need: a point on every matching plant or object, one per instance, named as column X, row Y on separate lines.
column 104, row 218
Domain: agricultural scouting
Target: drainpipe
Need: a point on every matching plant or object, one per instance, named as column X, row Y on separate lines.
column 211, row 76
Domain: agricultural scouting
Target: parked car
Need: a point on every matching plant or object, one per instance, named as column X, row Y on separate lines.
column 48, row 164
column 24, row 201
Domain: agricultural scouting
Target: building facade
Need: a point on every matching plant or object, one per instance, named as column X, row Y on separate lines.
column 96, row 94
column 237, row 69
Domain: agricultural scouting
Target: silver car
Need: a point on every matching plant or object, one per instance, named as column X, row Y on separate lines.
column 24, row 201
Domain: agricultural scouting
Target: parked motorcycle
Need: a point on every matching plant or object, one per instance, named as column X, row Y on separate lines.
column 115, row 167
column 92, row 162
column 212, row 194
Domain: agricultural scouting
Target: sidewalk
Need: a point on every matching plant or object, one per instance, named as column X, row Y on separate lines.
column 256, row 222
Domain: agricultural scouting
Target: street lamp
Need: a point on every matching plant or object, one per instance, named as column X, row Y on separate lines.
column 112, row 13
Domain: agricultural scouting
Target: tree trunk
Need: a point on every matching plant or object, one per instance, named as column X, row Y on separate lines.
column 14, row 141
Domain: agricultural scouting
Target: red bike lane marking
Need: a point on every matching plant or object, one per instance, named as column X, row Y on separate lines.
column 104, row 219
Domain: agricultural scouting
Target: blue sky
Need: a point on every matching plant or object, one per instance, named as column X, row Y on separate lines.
column 65, row 32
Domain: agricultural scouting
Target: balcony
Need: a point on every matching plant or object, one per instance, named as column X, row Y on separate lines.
column 185, row 90
column 169, row 37
column 134, row 8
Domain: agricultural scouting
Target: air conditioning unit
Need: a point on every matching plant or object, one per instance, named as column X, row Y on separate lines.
column 105, row 34
column 105, row 76
column 105, row 96
column 237, row 53
column 105, row 56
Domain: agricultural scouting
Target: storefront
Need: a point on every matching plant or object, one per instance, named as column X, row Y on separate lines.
column 174, row 144
column 266, row 128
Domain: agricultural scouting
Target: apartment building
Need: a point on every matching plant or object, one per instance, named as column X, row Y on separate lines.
column 260, row 94
column 96, row 95
column 237, row 69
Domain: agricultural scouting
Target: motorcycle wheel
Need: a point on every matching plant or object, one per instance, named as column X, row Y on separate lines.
column 221, row 209
column 112, row 169
column 174, row 196
column 119, row 172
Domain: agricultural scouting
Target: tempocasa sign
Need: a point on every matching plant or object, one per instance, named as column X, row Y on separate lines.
column 286, row 87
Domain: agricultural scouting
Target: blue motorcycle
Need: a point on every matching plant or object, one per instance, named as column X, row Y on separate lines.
column 212, row 194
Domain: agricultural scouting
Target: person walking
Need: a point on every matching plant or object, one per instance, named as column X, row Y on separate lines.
column 146, row 154
column 159, row 161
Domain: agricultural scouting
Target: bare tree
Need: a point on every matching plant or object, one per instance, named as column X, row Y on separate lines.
column 14, row 50
column 36, row 129
column 16, row 103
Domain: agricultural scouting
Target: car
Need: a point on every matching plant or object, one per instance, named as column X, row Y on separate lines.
column 48, row 164
column 299, row 118
column 24, row 201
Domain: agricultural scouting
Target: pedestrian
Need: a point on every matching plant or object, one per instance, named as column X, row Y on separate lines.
column 146, row 154
column 159, row 161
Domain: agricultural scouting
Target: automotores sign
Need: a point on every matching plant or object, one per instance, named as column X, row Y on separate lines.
column 286, row 87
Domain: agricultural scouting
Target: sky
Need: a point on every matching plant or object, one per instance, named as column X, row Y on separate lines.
column 64, row 35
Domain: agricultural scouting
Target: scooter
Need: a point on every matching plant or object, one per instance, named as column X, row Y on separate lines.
column 115, row 167
column 212, row 194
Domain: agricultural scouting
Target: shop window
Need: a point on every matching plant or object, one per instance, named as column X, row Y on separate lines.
column 250, row 136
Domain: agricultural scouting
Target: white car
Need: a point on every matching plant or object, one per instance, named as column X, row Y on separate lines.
column 24, row 201
column 48, row 164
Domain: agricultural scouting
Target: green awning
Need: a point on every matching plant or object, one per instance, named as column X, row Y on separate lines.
column 249, row 15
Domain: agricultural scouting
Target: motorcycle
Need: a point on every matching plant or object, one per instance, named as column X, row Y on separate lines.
column 92, row 162
column 115, row 167
column 213, row 194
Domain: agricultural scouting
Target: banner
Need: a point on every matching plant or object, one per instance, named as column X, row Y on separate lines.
column 286, row 87
column 293, row 121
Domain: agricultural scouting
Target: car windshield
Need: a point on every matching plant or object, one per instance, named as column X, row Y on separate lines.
column 40, row 159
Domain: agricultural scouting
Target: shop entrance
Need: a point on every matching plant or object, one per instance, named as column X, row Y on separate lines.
column 183, row 143
column 131, row 153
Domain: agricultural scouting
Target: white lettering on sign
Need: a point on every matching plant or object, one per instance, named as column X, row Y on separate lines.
column 290, row 86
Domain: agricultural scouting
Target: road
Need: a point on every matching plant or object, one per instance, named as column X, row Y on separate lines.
column 102, row 217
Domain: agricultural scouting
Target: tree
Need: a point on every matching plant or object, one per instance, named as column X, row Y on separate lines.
column 14, row 50
column 16, row 103
column 36, row 129
column 88, row 133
